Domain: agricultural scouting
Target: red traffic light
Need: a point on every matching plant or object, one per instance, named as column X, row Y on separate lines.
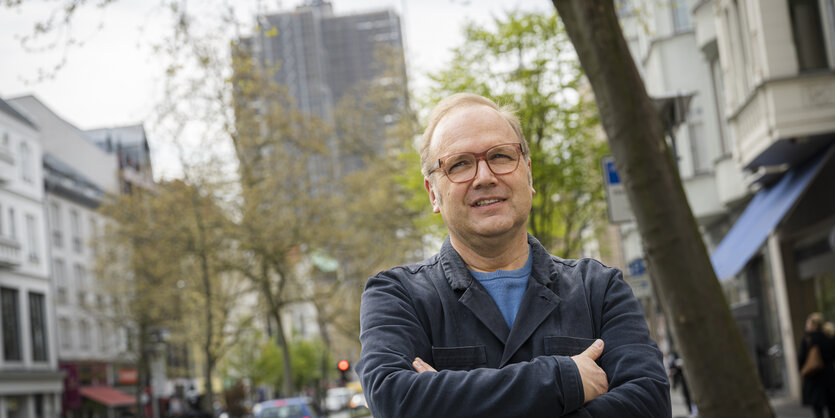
column 343, row 365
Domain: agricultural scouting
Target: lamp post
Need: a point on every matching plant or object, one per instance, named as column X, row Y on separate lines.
column 157, row 374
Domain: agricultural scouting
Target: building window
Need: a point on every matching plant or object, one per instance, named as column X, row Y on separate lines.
column 55, row 217
column 16, row 407
column 94, row 234
column 37, row 318
column 807, row 31
column 11, row 324
column 60, row 273
column 681, row 16
column 103, row 340
column 80, row 283
column 32, row 235
column 702, row 163
column 64, row 333
column 26, row 163
column 75, row 225
column 12, row 224
column 85, row 335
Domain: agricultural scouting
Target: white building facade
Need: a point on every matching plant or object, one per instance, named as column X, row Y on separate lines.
column 30, row 381
column 749, row 87
column 92, row 347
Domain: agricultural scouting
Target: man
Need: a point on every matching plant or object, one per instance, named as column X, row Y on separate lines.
column 493, row 325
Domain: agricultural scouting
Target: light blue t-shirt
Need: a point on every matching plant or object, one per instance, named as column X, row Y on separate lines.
column 507, row 288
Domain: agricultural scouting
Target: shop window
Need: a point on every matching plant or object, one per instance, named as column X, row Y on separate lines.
column 37, row 321
column 11, row 324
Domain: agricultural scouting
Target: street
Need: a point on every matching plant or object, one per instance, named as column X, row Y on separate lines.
column 346, row 414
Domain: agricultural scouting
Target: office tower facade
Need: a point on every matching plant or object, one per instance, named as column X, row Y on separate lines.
column 320, row 56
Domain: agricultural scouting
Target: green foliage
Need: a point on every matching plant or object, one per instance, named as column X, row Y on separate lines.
column 525, row 60
column 264, row 363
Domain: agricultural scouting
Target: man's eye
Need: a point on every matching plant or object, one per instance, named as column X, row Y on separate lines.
column 500, row 156
column 458, row 165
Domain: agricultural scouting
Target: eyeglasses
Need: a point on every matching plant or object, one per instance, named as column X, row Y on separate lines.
column 463, row 167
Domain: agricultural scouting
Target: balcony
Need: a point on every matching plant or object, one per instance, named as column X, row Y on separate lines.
column 10, row 255
column 7, row 166
column 785, row 120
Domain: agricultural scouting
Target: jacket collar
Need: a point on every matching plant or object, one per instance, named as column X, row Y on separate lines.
column 538, row 301
column 459, row 277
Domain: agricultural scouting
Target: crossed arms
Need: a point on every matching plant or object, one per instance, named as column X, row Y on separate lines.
column 398, row 386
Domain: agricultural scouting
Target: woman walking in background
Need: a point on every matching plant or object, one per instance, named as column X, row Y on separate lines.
column 815, row 360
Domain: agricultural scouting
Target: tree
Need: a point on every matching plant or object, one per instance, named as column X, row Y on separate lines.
column 200, row 236
column 721, row 374
column 178, row 263
column 286, row 204
column 377, row 226
column 526, row 61
column 136, row 276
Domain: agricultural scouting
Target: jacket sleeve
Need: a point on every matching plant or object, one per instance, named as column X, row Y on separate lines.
column 638, row 385
column 392, row 336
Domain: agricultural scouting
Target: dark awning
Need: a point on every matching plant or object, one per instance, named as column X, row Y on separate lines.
column 107, row 396
column 761, row 216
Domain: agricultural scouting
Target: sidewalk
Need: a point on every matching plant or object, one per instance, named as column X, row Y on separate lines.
column 783, row 407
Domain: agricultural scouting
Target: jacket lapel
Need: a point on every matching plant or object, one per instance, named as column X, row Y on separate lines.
column 537, row 304
column 484, row 308
column 473, row 294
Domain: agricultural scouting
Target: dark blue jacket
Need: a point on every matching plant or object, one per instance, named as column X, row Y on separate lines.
column 435, row 310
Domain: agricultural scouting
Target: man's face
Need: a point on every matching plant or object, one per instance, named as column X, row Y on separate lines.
column 489, row 205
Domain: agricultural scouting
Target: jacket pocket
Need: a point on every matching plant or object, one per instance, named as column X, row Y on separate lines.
column 566, row 346
column 459, row 358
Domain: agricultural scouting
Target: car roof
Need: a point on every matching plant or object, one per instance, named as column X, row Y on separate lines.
column 283, row 401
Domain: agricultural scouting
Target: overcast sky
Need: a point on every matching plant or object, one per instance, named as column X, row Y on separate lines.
column 111, row 79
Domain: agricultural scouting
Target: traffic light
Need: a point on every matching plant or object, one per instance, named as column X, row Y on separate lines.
column 343, row 366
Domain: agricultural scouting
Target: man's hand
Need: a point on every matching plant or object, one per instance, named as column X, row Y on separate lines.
column 422, row 366
column 593, row 377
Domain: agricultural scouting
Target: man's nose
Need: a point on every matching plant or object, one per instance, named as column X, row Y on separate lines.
column 483, row 174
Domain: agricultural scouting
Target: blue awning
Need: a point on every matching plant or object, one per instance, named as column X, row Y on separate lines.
column 762, row 215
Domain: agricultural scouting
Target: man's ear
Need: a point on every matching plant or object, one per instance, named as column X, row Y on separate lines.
column 530, row 177
column 432, row 198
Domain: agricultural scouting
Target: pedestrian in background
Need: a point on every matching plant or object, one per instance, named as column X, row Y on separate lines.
column 829, row 329
column 677, row 380
column 815, row 360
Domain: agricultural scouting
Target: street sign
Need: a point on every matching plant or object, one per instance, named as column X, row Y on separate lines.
column 636, row 267
column 616, row 200
column 641, row 286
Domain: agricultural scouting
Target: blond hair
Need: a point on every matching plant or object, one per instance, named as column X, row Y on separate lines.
column 829, row 329
column 815, row 319
column 460, row 100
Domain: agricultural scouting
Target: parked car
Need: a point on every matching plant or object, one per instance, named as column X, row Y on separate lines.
column 283, row 408
column 337, row 399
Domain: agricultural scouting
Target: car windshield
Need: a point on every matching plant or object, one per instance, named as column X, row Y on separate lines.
column 286, row 411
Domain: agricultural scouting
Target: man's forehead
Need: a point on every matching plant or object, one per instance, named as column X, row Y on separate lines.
column 444, row 129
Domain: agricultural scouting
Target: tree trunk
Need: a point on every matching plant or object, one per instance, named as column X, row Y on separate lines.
column 721, row 374
column 141, row 369
column 208, row 400
column 287, row 377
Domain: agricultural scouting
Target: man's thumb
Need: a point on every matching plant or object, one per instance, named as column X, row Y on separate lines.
column 594, row 350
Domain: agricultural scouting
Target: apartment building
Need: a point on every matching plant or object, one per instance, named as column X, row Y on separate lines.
column 92, row 345
column 746, row 89
column 31, row 383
